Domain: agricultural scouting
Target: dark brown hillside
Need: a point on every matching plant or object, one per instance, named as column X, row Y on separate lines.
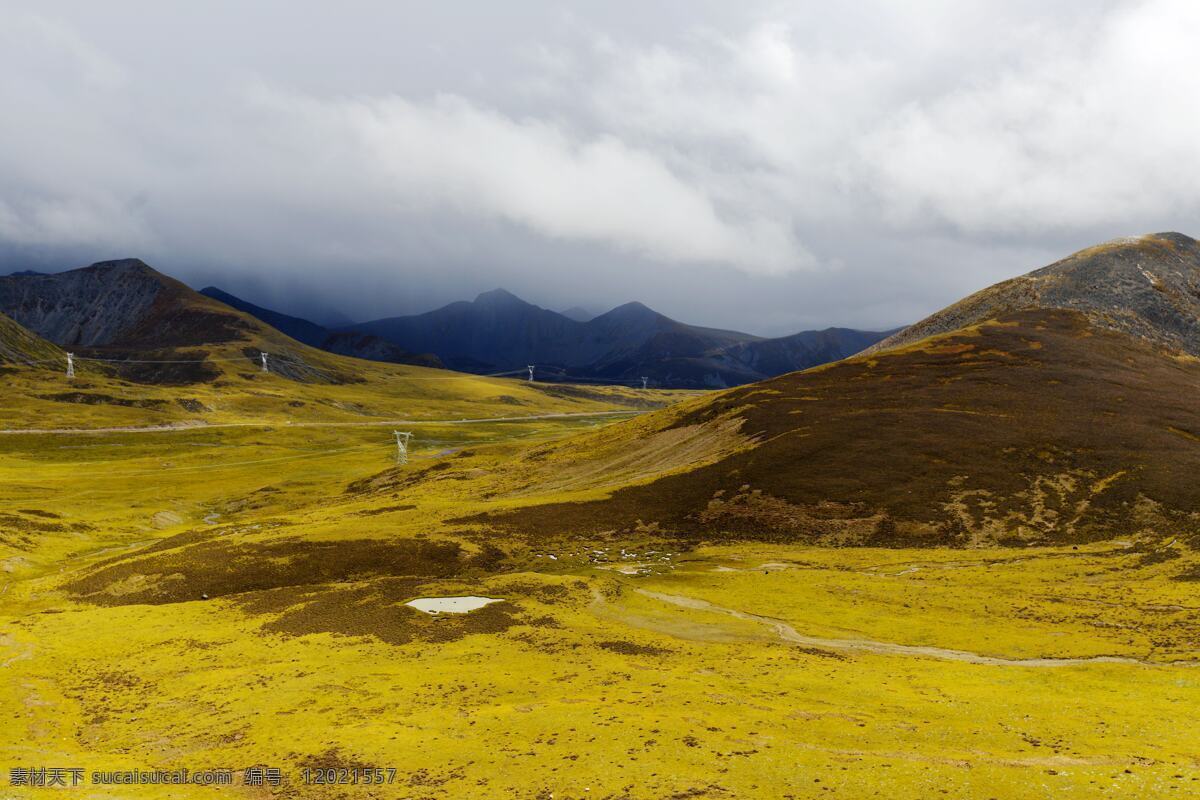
column 1036, row 427
column 147, row 327
column 119, row 304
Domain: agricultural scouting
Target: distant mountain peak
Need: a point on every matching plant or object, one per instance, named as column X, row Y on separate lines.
column 631, row 312
column 124, row 264
column 633, row 307
column 499, row 297
column 579, row 314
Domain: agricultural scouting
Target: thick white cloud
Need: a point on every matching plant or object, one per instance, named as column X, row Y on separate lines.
column 1097, row 134
column 450, row 155
column 765, row 165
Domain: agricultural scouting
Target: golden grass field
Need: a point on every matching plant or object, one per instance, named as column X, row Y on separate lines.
column 616, row 667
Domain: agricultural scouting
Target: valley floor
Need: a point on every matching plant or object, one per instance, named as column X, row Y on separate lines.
column 230, row 597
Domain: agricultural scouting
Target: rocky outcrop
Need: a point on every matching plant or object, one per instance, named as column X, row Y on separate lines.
column 121, row 303
column 1146, row 286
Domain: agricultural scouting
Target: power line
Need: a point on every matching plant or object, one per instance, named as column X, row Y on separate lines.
column 587, row 379
column 165, row 361
column 286, row 359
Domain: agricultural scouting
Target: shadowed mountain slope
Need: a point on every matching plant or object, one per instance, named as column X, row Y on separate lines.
column 301, row 330
column 498, row 331
column 1037, row 425
column 495, row 332
column 121, row 303
column 347, row 343
column 147, row 327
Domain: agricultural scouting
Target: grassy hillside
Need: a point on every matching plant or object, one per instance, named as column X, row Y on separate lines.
column 240, row 393
column 19, row 347
column 1034, row 428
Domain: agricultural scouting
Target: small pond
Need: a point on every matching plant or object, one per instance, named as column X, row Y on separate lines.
column 450, row 605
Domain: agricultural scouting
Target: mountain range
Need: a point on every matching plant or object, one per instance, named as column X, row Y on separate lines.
column 343, row 342
column 121, row 307
column 148, row 327
column 1058, row 407
column 500, row 332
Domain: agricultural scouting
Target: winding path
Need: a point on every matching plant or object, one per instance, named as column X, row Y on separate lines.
column 789, row 634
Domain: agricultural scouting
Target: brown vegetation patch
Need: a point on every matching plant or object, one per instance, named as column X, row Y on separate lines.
column 581, row 392
column 394, row 478
column 162, row 367
column 21, row 532
column 1191, row 574
column 1065, row 436
column 192, row 405
column 752, row 514
column 101, row 400
column 374, row 609
column 374, row 512
column 38, row 524
column 216, row 568
column 634, row 649
column 37, row 512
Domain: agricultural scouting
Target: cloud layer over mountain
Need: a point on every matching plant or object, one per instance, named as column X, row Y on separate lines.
column 767, row 166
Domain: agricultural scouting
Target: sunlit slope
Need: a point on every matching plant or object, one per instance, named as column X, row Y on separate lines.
column 20, row 347
column 45, row 399
column 1035, row 427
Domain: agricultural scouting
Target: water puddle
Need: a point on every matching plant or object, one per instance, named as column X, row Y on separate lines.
column 450, row 605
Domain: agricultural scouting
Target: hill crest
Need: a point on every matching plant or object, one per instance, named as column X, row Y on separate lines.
column 1145, row 286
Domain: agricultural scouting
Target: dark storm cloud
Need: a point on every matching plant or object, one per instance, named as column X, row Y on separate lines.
column 766, row 166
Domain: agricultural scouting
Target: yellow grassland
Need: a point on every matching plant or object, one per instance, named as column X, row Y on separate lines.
column 635, row 668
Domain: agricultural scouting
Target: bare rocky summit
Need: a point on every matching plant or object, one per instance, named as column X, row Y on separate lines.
column 1146, row 286
column 123, row 303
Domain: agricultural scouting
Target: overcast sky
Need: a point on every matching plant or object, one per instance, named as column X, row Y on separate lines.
column 765, row 166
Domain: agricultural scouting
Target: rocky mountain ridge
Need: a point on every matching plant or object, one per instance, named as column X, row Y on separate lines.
column 1147, row 286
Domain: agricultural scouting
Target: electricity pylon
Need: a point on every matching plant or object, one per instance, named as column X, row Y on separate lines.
column 644, row 379
column 530, row 368
column 70, row 365
column 402, row 438
column 264, row 362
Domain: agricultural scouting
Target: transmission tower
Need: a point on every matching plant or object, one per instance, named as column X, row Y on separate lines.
column 70, row 365
column 530, row 368
column 264, row 362
column 402, row 438
column 644, row 379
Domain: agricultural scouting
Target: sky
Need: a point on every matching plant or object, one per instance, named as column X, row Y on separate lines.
column 764, row 166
